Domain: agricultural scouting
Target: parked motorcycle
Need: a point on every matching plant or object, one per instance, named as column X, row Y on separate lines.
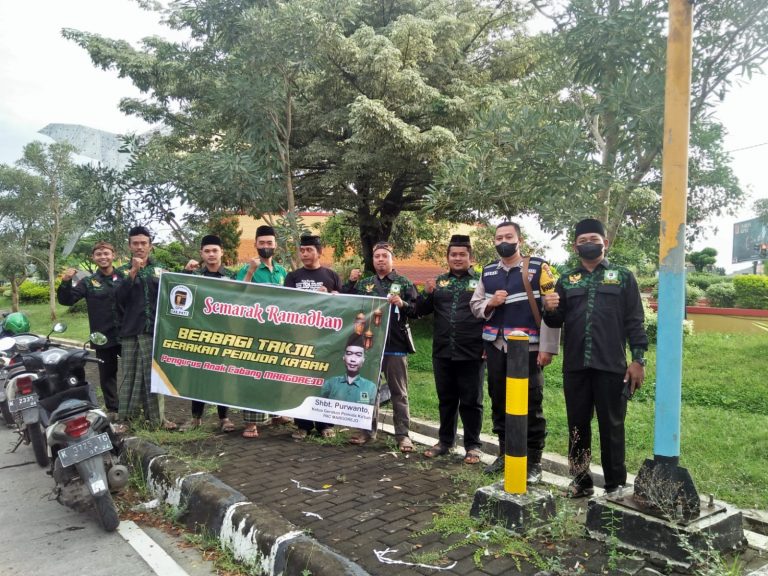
column 13, row 324
column 31, row 355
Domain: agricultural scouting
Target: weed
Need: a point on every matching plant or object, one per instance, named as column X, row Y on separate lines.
column 612, row 525
column 222, row 557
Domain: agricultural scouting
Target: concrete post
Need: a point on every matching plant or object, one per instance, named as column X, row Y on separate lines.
column 516, row 418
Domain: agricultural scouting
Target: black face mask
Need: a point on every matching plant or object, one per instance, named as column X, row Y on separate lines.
column 590, row 250
column 506, row 249
column 265, row 253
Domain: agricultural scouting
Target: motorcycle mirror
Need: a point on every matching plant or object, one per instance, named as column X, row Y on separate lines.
column 7, row 343
column 59, row 327
column 98, row 338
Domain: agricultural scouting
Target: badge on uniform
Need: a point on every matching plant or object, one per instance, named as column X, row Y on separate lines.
column 364, row 396
column 611, row 277
column 95, row 283
column 442, row 283
column 473, row 284
column 574, row 278
column 394, row 289
column 369, row 288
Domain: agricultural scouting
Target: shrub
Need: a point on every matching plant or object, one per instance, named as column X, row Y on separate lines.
column 31, row 292
column 704, row 280
column 692, row 294
column 79, row 307
column 722, row 295
column 751, row 291
column 651, row 324
column 647, row 283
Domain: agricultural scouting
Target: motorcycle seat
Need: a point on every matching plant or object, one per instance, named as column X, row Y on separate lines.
column 70, row 408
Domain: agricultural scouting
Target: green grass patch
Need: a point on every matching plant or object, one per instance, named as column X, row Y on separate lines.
column 40, row 319
column 724, row 428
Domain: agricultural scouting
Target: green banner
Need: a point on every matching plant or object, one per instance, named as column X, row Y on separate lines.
column 266, row 348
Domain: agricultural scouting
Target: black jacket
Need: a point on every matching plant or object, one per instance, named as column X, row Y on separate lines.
column 99, row 293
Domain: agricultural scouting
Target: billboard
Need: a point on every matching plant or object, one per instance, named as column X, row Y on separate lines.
column 750, row 240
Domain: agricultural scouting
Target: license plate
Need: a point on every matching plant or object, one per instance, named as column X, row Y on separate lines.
column 22, row 402
column 84, row 450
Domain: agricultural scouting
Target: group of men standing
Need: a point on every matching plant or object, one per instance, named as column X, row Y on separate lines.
column 598, row 304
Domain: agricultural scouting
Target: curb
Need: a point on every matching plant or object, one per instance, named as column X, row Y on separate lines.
column 256, row 535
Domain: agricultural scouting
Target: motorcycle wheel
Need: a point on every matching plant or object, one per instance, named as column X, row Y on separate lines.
column 105, row 508
column 7, row 415
column 39, row 446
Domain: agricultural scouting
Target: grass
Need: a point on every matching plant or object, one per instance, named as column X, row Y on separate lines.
column 724, row 428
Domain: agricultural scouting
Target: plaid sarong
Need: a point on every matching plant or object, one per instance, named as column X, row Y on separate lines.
column 250, row 417
column 134, row 396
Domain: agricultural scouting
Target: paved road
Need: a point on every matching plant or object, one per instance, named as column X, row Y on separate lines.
column 40, row 536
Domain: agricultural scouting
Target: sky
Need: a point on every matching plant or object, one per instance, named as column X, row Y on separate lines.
column 45, row 79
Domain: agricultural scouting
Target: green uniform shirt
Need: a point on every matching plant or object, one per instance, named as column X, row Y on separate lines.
column 264, row 275
column 361, row 390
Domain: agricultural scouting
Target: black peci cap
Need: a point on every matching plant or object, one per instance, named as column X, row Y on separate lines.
column 590, row 226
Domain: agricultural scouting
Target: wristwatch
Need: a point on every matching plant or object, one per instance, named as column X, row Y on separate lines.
column 640, row 361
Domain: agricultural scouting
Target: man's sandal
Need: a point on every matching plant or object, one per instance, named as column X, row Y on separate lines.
column 300, row 434
column 405, row 445
column 169, row 426
column 576, row 491
column 472, row 456
column 436, row 450
column 227, row 425
column 360, row 439
column 251, row 431
column 328, row 433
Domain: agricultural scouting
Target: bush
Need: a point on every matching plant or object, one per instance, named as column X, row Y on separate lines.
column 751, row 291
column 704, row 280
column 722, row 295
column 31, row 292
column 692, row 294
column 647, row 283
column 651, row 324
column 79, row 307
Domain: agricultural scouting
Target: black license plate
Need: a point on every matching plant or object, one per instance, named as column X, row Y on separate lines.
column 84, row 450
column 22, row 402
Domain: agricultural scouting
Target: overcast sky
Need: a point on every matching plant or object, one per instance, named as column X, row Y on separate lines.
column 45, row 78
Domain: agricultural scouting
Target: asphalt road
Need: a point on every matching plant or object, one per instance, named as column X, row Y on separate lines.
column 40, row 536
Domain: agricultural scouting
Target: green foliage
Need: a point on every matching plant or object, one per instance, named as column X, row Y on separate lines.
column 751, row 291
column 173, row 256
column 646, row 283
column 705, row 280
column 692, row 294
column 721, row 295
column 31, row 292
column 703, row 259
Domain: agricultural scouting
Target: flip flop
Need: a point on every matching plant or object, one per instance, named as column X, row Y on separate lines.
column 169, row 426
column 576, row 491
column 251, row 431
column 472, row 456
column 360, row 439
column 328, row 433
column 405, row 445
column 300, row 434
column 436, row 450
column 227, row 425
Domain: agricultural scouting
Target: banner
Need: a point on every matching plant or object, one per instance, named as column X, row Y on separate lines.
column 266, row 348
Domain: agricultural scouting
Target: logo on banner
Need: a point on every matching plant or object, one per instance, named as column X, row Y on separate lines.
column 181, row 300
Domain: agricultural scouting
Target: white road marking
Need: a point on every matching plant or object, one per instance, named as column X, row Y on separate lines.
column 157, row 558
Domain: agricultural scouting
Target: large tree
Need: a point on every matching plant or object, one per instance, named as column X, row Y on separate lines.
column 343, row 106
column 583, row 136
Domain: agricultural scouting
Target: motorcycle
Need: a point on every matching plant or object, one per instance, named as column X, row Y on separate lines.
column 6, row 361
column 26, row 367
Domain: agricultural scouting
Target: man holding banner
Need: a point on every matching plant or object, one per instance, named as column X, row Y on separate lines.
column 211, row 254
column 312, row 276
column 261, row 270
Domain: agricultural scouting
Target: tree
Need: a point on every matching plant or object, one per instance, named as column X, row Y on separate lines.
column 349, row 107
column 703, row 259
column 583, row 135
column 19, row 230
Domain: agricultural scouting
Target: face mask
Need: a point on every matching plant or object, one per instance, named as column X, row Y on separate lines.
column 265, row 253
column 506, row 249
column 590, row 250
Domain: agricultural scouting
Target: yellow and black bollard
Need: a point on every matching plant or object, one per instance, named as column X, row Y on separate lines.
column 516, row 418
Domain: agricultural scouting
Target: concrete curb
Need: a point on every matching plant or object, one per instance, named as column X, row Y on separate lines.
column 256, row 535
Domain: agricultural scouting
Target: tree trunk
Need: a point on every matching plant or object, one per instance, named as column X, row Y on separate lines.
column 14, row 294
column 377, row 226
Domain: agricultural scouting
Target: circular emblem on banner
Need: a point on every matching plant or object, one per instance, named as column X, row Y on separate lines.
column 181, row 300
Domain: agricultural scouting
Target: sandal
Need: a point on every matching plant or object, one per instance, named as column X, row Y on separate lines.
column 405, row 445
column 575, row 491
column 227, row 425
column 436, row 450
column 360, row 439
column 472, row 456
column 120, row 429
column 280, row 420
column 300, row 434
column 328, row 433
column 169, row 426
column 251, row 431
